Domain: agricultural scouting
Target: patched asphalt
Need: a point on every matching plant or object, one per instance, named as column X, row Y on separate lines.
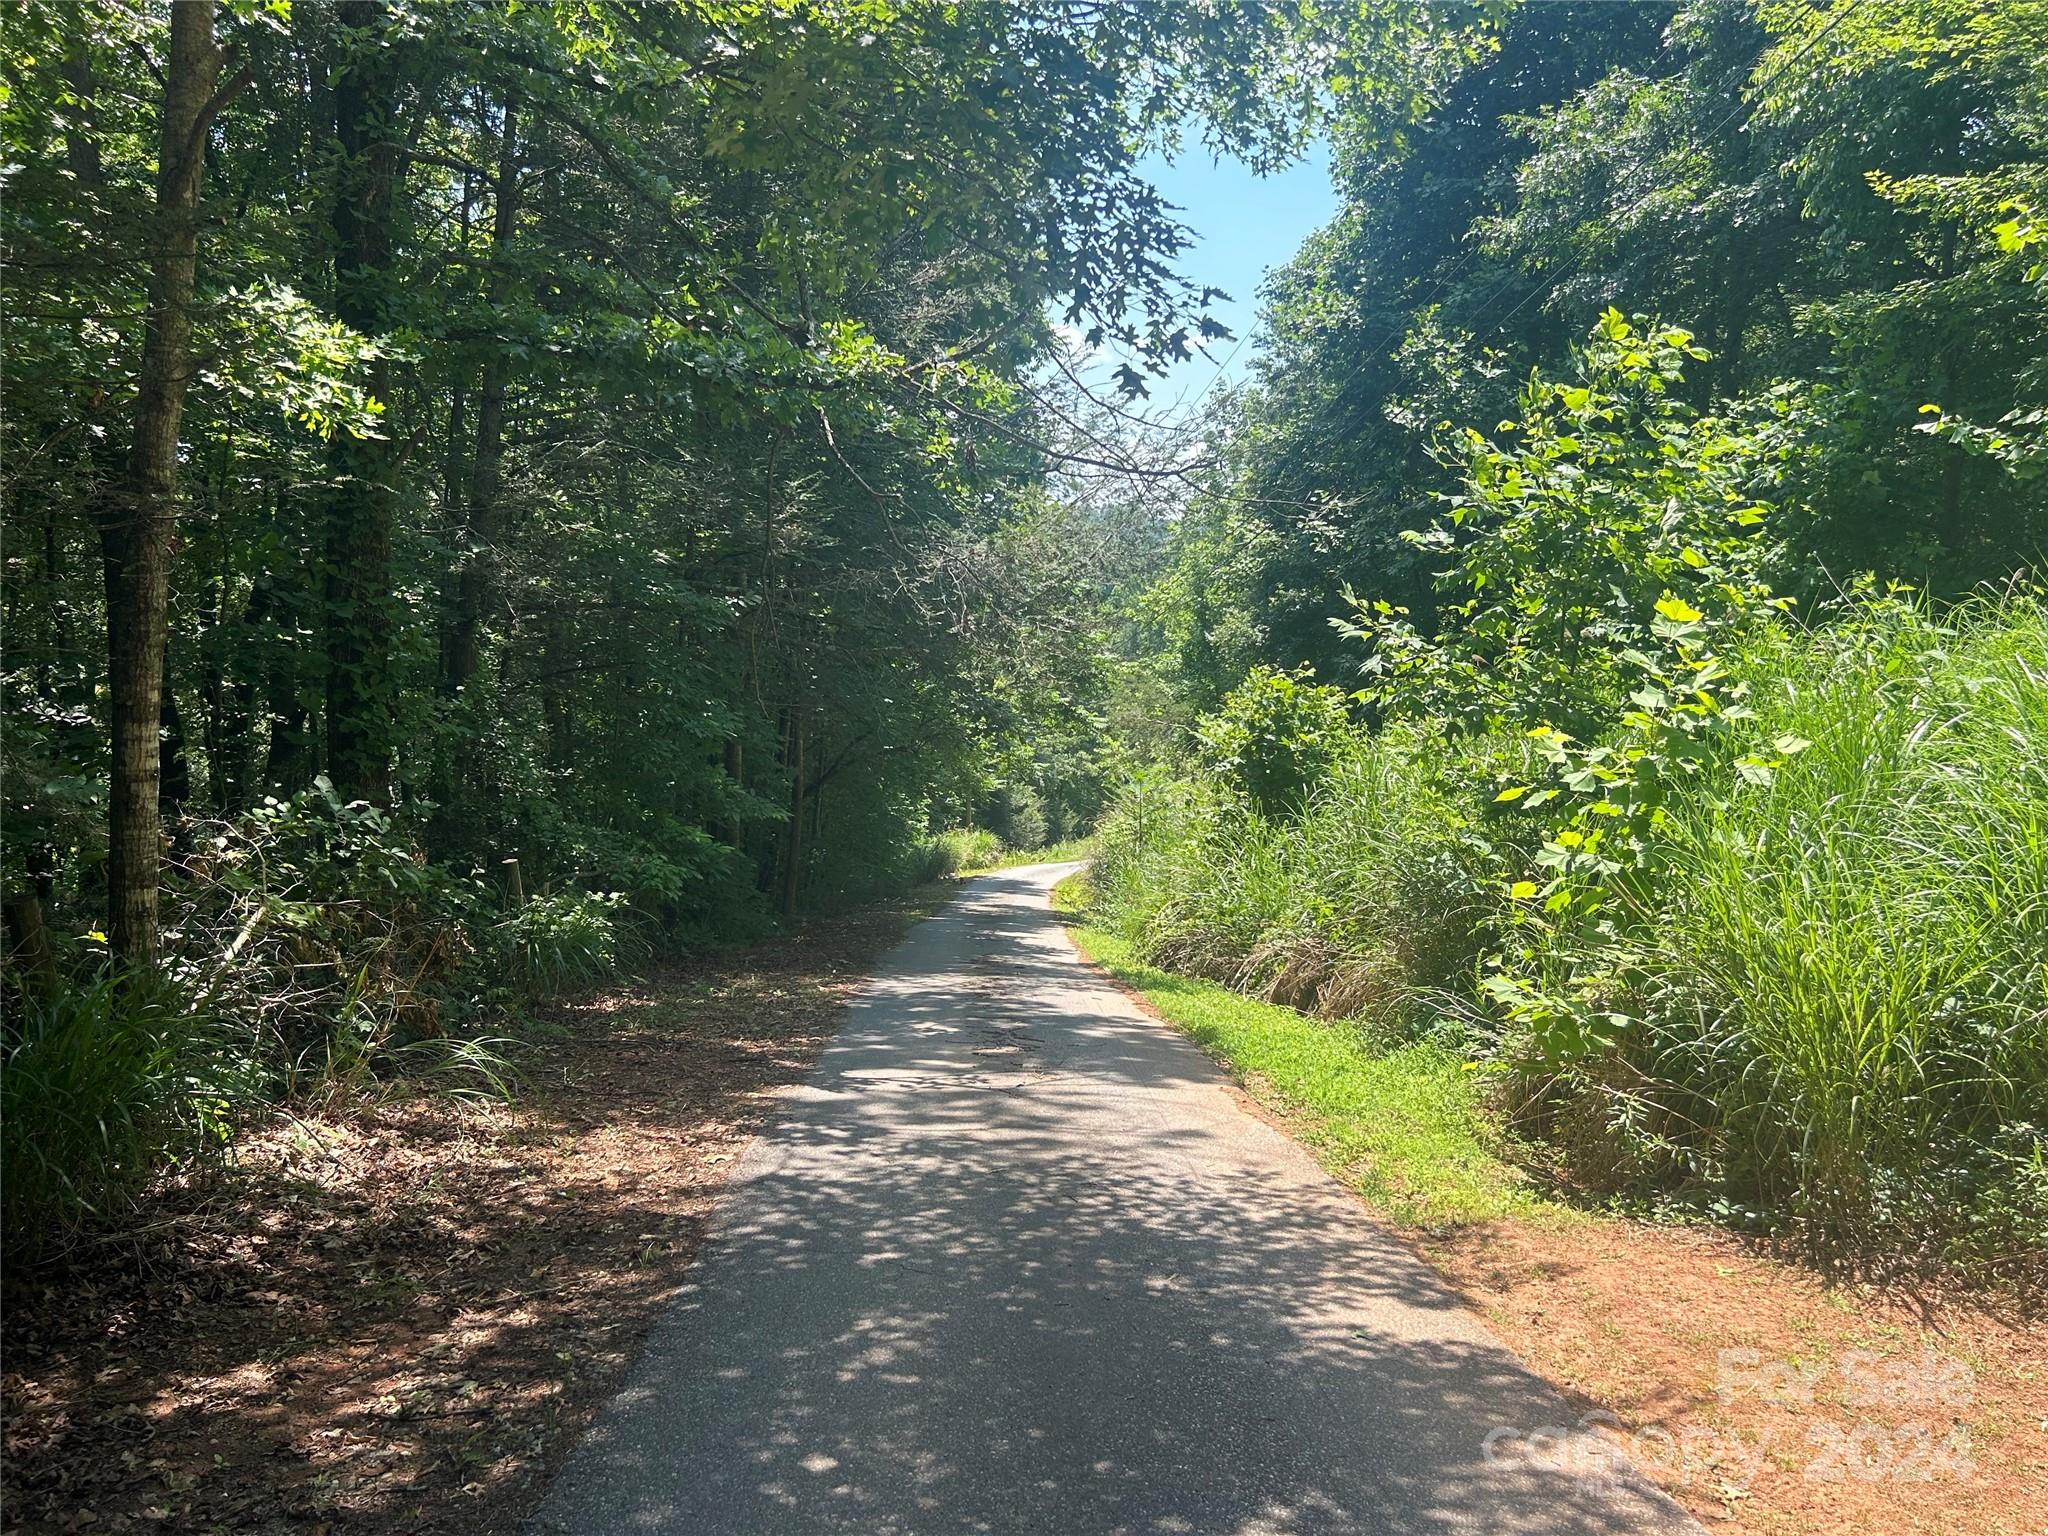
column 1015, row 1260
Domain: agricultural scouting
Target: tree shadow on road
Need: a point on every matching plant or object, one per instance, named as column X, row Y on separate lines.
column 979, row 1278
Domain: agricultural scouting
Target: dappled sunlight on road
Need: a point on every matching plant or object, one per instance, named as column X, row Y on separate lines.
column 1014, row 1261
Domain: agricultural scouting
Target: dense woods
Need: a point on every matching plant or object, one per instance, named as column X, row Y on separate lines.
column 1609, row 644
column 585, row 434
column 492, row 484
column 1840, row 203
column 492, row 489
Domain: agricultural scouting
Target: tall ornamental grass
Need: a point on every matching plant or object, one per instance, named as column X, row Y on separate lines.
column 1737, row 907
column 1846, row 968
column 1363, row 905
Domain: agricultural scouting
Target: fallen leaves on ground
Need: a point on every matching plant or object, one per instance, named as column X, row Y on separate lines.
column 1765, row 1400
column 396, row 1316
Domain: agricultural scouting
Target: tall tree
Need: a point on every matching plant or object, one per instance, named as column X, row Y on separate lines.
column 137, row 521
column 361, row 506
column 599, row 264
column 460, row 647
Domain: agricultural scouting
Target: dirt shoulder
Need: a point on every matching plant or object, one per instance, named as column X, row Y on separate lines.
column 1764, row 1399
column 399, row 1317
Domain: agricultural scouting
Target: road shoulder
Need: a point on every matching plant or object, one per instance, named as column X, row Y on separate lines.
column 1761, row 1397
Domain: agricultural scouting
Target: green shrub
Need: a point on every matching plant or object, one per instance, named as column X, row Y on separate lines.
column 1839, row 977
column 1749, row 912
column 1275, row 736
column 1016, row 815
column 960, row 850
column 562, row 939
column 104, row 1086
column 317, row 932
column 1609, row 510
column 318, row 929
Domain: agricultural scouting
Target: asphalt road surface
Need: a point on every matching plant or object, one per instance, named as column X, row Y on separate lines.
column 1015, row 1260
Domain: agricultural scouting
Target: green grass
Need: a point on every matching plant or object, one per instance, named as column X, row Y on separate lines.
column 1851, row 963
column 102, row 1087
column 1403, row 1125
column 1068, row 852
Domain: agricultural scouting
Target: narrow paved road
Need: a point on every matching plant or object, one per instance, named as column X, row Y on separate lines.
column 1015, row 1261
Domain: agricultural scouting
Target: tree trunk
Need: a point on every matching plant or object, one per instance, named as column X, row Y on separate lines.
column 557, row 696
column 278, row 613
column 360, row 734
column 454, row 500
column 462, row 649
column 792, row 868
column 229, row 701
column 736, row 775
column 81, row 144
column 174, row 761
column 29, row 946
column 138, row 521
column 288, row 764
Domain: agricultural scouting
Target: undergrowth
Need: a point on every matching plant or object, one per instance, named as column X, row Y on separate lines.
column 1741, row 912
column 313, row 953
column 1823, row 1009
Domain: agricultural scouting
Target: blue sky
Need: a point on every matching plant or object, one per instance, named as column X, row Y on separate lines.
column 1246, row 224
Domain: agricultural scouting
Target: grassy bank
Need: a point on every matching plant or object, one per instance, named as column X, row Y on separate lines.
column 1813, row 999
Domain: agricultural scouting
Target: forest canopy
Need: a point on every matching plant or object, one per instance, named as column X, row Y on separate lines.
column 489, row 484
column 588, row 432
